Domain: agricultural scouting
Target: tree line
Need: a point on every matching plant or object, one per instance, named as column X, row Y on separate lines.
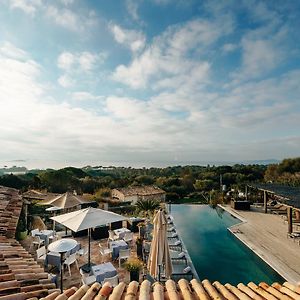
column 177, row 181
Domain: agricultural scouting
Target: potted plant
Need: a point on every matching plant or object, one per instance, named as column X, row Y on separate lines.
column 133, row 265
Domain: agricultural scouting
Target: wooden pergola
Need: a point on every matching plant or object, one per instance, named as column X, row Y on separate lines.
column 288, row 196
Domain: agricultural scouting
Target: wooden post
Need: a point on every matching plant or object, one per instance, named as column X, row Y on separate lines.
column 265, row 201
column 290, row 219
column 246, row 192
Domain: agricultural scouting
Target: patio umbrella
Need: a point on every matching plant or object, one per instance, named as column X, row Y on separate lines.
column 86, row 219
column 159, row 252
column 53, row 209
column 66, row 200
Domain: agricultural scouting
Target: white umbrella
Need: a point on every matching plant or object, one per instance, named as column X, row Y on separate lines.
column 159, row 252
column 86, row 219
column 66, row 200
column 53, row 209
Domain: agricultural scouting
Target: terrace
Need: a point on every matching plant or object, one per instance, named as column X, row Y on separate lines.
column 21, row 277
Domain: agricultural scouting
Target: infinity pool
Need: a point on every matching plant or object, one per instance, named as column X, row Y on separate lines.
column 215, row 252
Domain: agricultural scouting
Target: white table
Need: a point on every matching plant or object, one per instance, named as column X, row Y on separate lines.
column 121, row 232
column 115, row 246
column 45, row 235
column 103, row 271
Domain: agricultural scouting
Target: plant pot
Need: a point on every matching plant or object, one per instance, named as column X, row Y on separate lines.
column 139, row 250
column 22, row 235
column 135, row 276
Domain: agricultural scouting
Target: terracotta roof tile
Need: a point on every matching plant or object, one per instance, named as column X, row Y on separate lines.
column 141, row 190
column 20, row 275
column 183, row 290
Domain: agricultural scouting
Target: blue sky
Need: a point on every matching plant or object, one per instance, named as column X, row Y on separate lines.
column 148, row 82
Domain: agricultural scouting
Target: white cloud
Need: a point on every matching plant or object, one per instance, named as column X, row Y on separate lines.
column 65, row 81
column 85, row 96
column 11, row 51
column 28, row 6
column 66, row 60
column 67, row 2
column 134, row 40
column 87, row 60
column 184, row 122
column 169, row 55
column 229, row 47
column 75, row 63
column 65, row 18
column 132, row 8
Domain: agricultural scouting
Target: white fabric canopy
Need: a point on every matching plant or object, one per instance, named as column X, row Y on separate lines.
column 66, row 200
column 87, row 218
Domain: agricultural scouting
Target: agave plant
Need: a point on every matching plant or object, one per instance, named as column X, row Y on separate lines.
column 148, row 205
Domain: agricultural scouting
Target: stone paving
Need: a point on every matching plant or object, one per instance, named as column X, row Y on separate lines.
column 266, row 235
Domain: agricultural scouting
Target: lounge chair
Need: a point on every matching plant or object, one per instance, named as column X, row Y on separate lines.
column 294, row 235
column 280, row 211
column 172, row 235
column 175, row 244
column 178, row 256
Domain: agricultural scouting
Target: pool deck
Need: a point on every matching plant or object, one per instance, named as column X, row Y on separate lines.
column 266, row 235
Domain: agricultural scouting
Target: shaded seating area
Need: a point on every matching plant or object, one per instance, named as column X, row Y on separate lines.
column 281, row 200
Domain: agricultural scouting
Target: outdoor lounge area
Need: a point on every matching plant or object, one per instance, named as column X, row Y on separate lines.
column 100, row 243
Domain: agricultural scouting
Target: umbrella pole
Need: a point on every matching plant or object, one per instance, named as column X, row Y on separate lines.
column 89, row 259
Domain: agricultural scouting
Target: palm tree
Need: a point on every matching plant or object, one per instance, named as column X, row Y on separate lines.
column 147, row 206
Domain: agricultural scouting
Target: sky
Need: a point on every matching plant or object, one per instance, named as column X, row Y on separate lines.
column 148, row 82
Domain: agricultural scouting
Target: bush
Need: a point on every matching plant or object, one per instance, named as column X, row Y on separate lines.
column 133, row 264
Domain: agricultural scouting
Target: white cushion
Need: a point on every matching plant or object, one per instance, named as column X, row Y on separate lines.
column 187, row 269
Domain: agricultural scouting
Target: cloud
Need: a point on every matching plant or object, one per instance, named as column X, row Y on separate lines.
column 229, row 47
column 28, row 6
column 75, row 63
column 65, row 81
column 67, row 2
column 11, row 51
column 65, row 18
column 66, row 60
column 132, row 8
column 171, row 54
column 132, row 39
column 85, row 96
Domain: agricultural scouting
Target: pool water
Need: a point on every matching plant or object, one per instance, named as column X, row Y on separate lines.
column 215, row 252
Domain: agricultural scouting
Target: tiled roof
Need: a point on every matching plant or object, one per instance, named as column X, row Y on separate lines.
column 183, row 290
column 10, row 208
column 20, row 275
column 141, row 190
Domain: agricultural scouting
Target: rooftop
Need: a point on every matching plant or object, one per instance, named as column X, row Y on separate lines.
column 141, row 190
column 20, row 275
column 289, row 194
column 185, row 290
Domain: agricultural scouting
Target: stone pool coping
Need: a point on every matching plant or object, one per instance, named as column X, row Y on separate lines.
column 256, row 247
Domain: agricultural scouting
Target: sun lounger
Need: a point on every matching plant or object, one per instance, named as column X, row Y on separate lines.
column 276, row 207
column 294, row 235
column 175, row 244
column 280, row 211
column 172, row 235
column 178, row 256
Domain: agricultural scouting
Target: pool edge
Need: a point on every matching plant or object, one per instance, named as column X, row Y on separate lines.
column 230, row 229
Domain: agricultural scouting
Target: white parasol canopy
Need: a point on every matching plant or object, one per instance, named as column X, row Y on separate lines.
column 159, row 255
column 66, row 200
column 86, row 219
